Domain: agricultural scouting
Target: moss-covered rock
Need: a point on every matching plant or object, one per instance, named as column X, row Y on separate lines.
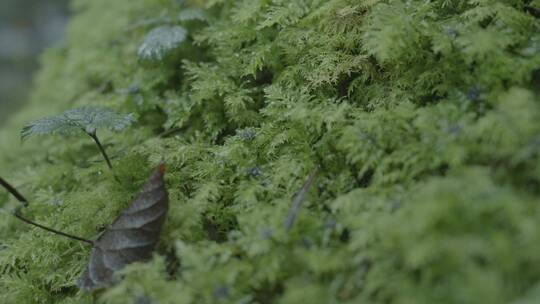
column 424, row 117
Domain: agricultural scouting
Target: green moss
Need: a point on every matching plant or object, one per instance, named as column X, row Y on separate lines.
column 423, row 117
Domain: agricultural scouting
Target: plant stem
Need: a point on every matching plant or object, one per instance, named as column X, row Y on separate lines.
column 101, row 149
column 14, row 192
column 20, row 217
column 24, row 201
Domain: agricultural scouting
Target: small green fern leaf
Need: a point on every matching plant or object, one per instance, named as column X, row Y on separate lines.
column 160, row 41
column 86, row 119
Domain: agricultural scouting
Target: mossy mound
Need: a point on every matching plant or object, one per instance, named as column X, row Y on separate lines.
column 424, row 117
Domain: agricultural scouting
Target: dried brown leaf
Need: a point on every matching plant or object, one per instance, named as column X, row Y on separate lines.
column 132, row 236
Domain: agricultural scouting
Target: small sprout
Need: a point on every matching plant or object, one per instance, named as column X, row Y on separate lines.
column 160, row 41
column 85, row 119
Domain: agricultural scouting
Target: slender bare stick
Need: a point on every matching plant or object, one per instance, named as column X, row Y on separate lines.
column 101, row 149
column 24, row 201
column 299, row 199
column 20, row 217
column 14, row 192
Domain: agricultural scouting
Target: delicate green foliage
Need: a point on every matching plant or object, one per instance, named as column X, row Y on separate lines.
column 86, row 119
column 422, row 115
column 161, row 40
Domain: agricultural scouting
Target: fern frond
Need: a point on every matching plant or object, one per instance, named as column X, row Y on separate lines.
column 161, row 40
column 86, row 119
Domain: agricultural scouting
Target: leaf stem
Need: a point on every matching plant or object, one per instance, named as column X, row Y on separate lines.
column 80, row 239
column 24, row 201
column 101, row 149
column 14, row 192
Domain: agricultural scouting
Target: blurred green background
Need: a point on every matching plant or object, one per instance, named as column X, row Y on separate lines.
column 26, row 28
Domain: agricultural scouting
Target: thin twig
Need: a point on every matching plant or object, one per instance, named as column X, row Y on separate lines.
column 101, row 149
column 299, row 199
column 20, row 217
column 14, row 192
column 23, row 200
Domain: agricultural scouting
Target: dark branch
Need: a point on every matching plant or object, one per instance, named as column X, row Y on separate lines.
column 20, row 217
column 23, row 200
column 14, row 192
